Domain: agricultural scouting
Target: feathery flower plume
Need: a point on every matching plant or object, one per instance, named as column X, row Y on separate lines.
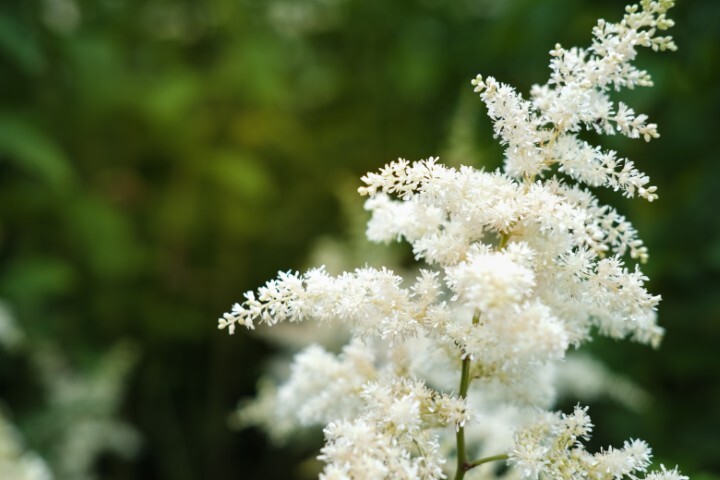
column 523, row 264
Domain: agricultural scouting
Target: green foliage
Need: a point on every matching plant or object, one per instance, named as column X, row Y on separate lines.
column 158, row 158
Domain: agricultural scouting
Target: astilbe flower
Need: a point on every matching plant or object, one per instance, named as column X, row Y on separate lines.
column 523, row 264
column 16, row 462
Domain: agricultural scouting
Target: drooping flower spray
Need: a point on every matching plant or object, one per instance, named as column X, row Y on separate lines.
column 456, row 368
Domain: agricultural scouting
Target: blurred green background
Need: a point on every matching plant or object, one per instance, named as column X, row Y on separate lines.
column 160, row 157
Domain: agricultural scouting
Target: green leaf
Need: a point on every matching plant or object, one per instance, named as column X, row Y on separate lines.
column 20, row 46
column 103, row 235
column 23, row 144
column 241, row 175
column 35, row 279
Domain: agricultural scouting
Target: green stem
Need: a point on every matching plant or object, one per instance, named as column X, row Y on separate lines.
column 494, row 458
column 462, row 462
column 460, row 434
column 504, row 237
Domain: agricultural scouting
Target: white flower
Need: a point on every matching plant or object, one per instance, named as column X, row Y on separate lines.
column 371, row 300
column 490, row 280
column 16, row 462
column 386, row 440
column 665, row 474
column 551, row 446
column 576, row 98
column 524, row 263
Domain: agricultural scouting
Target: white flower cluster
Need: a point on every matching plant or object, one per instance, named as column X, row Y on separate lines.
column 525, row 263
column 82, row 410
column 545, row 273
column 372, row 300
column 16, row 462
column 551, row 447
column 321, row 378
column 391, row 438
column 541, row 132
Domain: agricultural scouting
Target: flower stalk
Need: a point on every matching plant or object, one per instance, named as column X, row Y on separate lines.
column 460, row 433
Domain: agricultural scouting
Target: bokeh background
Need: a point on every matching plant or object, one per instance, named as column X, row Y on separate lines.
column 160, row 157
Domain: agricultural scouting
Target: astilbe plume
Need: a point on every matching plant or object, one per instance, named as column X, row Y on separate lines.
column 523, row 264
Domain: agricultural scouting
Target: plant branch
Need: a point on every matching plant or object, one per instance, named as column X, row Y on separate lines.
column 460, row 434
column 494, row 458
